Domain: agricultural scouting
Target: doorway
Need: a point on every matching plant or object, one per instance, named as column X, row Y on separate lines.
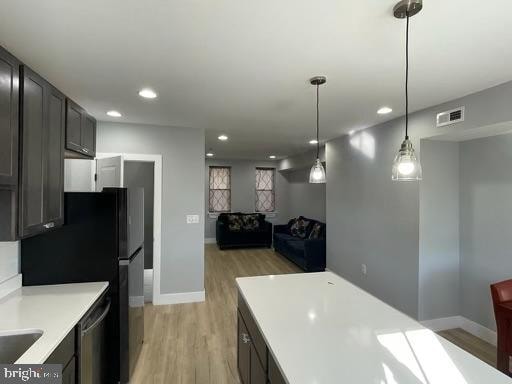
column 108, row 170
column 140, row 174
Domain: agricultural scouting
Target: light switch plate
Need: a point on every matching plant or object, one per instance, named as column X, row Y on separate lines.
column 192, row 219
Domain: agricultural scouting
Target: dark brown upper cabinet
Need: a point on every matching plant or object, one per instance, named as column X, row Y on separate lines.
column 80, row 130
column 9, row 128
column 42, row 128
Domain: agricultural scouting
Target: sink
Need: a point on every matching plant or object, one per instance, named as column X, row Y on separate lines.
column 14, row 344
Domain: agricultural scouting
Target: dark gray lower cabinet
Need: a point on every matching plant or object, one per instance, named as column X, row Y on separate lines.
column 244, row 352
column 42, row 158
column 64, row 354
column 255, row 364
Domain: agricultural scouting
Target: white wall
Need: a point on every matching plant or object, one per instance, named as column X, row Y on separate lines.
column 439, row 231
column 9, row 260
column 182, row 150
column 243, row 183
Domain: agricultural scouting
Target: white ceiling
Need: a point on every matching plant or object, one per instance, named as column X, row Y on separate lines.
column 242, row 67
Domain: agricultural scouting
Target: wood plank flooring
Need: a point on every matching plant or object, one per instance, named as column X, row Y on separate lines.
column 472, row 344
column 196, row 343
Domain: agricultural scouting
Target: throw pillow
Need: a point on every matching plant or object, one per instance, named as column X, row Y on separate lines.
column 298, row 228
column 251, row 222
column 235, row 223
column 315, row 231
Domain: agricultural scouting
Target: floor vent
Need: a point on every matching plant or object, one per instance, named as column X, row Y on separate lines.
column 450, row 117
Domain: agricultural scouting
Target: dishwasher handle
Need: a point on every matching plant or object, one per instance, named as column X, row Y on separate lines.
column 98, row 320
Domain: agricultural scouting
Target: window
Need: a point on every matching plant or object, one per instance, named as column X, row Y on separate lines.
column 265, row 194
column 220, row 189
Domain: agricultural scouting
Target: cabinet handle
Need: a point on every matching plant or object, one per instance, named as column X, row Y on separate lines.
column 49, row 225
column 85, row 150
column 245, row 338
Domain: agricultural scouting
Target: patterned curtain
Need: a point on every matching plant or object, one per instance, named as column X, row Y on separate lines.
column 265, row 193
column 220, row 189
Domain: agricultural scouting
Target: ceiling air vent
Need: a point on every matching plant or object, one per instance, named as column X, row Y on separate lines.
column 450, row 117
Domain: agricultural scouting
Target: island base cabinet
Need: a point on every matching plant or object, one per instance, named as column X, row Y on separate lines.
column 258, row 374
column 244, row 352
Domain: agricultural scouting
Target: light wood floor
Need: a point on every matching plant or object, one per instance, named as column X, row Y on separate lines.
column 477, row 347
column 196, row 343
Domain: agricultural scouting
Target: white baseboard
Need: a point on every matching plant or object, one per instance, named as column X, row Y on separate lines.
column 179, row 298
column 480, row 331
column 10, row 285
column 210, row 240
column 461, row 322
column 443, row 323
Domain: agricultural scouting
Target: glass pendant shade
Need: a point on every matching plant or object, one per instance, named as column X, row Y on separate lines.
column 406, row 166
column 317, row 174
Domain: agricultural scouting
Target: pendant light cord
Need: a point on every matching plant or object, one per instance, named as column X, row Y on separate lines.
column 317, row 120
column 407, row 78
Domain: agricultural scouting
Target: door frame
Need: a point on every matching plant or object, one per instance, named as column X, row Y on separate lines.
column 157, row 211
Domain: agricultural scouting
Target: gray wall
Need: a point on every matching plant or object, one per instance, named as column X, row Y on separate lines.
column 182, row 150
column 486, row 223
column 243, row 182
column 140, row 174
column 304, row 199
column 439, row 230
column 371, row 219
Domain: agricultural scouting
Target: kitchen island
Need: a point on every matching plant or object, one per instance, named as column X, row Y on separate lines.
column 318, row 328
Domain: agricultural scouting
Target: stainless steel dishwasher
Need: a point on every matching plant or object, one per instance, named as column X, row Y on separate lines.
column 93, row 361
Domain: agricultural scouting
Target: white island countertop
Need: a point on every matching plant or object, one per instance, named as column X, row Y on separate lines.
column 52, row 309
column 321, row 329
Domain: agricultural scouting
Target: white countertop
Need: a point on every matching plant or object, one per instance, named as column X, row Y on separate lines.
column 53, row 309
column 321, row 329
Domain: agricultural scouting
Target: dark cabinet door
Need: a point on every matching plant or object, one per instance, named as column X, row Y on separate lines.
column 74, row 117
column 69, row 373
column 258, row 374
column 89, row 136
column 9, row 129
column 9, row 101
column 244, row 352
column 32, row 189
column 54, row 201
column 41, row 204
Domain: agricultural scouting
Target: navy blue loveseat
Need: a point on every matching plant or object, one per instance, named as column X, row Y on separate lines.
column 305, row 248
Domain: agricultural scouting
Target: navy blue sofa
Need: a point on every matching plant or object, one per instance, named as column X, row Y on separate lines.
column 308, row 253
column 260, row 235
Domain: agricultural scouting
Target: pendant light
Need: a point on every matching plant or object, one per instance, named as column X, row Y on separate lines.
column 406, row 166
column 317, row 174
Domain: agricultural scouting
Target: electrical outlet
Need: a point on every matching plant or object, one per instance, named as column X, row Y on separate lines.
column 364, row 269
column 192, row 219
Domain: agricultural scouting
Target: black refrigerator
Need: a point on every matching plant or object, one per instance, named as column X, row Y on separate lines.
column 101, row 240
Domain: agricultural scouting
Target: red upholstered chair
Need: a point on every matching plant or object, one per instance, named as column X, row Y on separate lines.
column 502, row 301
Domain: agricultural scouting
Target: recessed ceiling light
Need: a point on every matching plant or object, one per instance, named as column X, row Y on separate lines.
column 222, row 137
column 147, row 93
column 209, row 154
column 384, row 111
column 313, row 141
column 114, row 114
column 272, row 157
